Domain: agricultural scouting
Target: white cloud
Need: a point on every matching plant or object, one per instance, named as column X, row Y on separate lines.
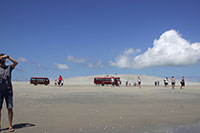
column 96, row 65
column 75, row 60
column 169, row 50
column 62, row 66
column 125, row 60
column 131, row 51
column 22, row 59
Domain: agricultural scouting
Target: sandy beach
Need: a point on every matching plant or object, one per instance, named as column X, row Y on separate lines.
column 95, row 109
column 118, row 60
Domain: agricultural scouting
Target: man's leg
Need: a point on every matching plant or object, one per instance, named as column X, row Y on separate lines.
column 9, row 104
column 1, row 102
column 10, row 117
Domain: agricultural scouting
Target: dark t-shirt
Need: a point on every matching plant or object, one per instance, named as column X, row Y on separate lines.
column 5, row 77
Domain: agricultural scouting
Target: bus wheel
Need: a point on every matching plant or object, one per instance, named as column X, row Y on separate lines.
column 102, row 84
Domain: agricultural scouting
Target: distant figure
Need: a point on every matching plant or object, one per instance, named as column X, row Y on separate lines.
column 158, row 83
column 139, row 82
column 129, row 84
column 59, row 80
column 62, row 82
column 182, row 82
column 126, row 83
column 112, row 81
column 135, row 84
column 173, row 82
column 155, row 83
column 118, row 82
column 55, row 82
column 166, row 81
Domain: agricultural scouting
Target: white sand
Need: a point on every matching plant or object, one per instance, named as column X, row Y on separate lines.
column 93, row 109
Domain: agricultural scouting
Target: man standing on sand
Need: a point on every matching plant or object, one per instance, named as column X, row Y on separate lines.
column 55, row 82
column 6, row 91
column 59, row 80
column 166, row 81
column 173, row 81
column 112, row 81
column 139, row 82
column 182, row 82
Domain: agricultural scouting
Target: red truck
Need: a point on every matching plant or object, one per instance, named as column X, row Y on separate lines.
column 107, row 81
column 39, row 80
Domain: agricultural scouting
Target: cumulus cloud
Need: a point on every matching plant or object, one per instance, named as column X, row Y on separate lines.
column 96, row 65
column 22, row 59
column 75, row 60
column 169, row 50
column 125, row 60
column 62, row 66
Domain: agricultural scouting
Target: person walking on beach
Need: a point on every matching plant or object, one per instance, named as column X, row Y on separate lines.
column 62, row 82
column 59, row 80
column 173, row 82
column 166, row 81
column 155, row 83
column 112, row 81
column 6, row 90
column 55, row 82
column 139, row 82
column 135, row 83
column 126, row 83
column 182, row 82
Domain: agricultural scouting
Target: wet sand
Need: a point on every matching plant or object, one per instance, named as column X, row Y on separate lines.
column 94, row 109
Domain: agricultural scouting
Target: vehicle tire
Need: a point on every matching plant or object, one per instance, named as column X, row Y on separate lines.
column 102, row 84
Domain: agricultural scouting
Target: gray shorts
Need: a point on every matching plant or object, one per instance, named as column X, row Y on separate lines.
column 8, row 96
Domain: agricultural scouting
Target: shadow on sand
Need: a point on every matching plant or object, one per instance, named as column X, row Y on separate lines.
column 19, row 126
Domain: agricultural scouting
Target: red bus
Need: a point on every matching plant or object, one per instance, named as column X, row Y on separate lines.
column 107, row 81
column 39, row 80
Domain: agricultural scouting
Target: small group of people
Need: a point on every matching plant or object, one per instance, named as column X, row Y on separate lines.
column 138, row 83
column 59, row 82
column 173, row 82
column 129, row 84
column 115, row 82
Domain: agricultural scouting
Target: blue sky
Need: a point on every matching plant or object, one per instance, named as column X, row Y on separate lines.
column 83, row 37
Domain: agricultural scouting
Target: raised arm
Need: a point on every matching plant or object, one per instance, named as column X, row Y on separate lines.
column 14, row 62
